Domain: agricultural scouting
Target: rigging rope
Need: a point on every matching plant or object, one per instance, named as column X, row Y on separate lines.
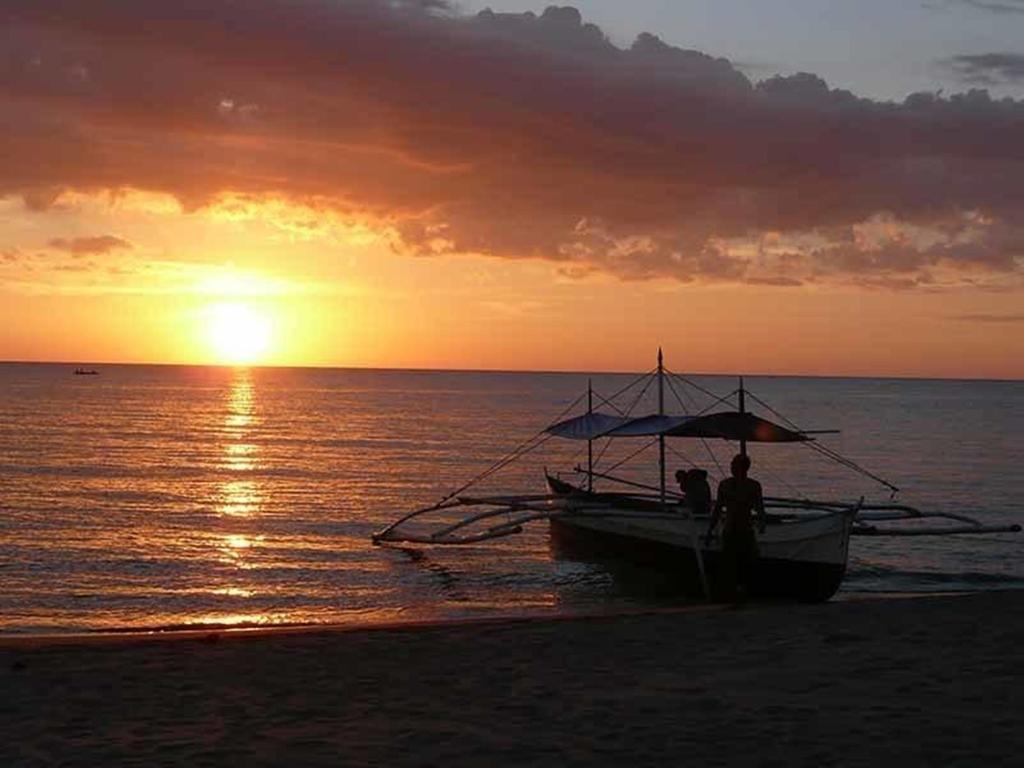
column 683, row 456
column 520, row 450
column 698, row 387
column 765, row 467
column 633, row 383
column 631, row 456
column 830, row 453
column 686, row 392
column 540, row 438
column 608, row 402
column 707, row 448
column 774, row 412
column 608, row 441
column 672, row 388
column 825, row 451
column 849, row 464
column 717, row 399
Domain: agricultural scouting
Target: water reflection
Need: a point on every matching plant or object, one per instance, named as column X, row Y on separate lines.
column 240, row 403
column 235, row 549
column 233, row 592
column 240, row 456
column 241, row 497
column 240, row 620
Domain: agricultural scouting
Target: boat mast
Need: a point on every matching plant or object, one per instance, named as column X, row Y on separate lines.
column 661, row 412
column 590, row 442
column 743, row 409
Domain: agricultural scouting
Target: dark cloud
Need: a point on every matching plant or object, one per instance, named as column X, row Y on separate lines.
column 87, row 246
column 988, row 68
column 775, row 282
column 512, row 135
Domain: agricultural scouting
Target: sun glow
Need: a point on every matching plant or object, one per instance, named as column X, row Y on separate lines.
column 238, row 334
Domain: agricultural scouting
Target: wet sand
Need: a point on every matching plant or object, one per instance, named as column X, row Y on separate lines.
column 923, row 681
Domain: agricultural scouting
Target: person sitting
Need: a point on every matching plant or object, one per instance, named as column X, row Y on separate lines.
column 681, row 479
column 698, row 491
column 694, row 490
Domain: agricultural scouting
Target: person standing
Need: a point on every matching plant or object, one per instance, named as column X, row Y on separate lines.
column 739, row 497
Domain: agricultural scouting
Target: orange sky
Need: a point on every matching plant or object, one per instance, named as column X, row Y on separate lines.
column 170, row 198
column 341, row 297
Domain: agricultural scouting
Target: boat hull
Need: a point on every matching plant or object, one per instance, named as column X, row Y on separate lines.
column 803, row 561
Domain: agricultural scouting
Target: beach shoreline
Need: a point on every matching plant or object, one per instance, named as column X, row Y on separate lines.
column 31, row 640
column 922, row 680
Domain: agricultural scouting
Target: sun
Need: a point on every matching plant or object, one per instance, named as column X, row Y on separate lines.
column 237, row 333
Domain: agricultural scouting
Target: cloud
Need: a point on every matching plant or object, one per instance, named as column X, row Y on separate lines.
column 990, row 318
column 988, row 68
column 997, row 6
column 42, row 274
column 779, row 281
column 85, row 246
column 510, row 135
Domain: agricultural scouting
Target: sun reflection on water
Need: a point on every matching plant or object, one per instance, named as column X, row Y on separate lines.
column 233, row 592
column 241, row 403
column 242, row 497
column 240, row 619
column 237, row 550
column 240, row 457
column 239, row 498
column 238, row 542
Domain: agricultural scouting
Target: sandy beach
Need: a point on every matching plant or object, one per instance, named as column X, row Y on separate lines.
column 922, row 681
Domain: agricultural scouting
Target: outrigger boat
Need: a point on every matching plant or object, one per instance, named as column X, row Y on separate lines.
column 802, row 553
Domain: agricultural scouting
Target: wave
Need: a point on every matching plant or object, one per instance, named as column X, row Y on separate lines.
column 892, row 575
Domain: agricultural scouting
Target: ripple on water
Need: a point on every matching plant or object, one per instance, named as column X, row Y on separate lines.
column 161, row 496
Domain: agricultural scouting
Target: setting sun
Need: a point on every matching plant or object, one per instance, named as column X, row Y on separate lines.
column 238, row 334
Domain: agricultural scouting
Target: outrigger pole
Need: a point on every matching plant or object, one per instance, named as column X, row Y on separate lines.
column 695, row 543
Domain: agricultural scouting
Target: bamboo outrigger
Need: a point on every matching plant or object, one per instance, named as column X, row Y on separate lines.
column 802, row 551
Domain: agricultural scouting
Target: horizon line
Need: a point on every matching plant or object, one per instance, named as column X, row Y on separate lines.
column 564, row 372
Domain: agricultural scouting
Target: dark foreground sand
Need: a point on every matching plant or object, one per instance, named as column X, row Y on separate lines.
column 935, row 681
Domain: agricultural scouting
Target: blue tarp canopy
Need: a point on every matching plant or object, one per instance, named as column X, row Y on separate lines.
column 727, row 425
column 588, row 426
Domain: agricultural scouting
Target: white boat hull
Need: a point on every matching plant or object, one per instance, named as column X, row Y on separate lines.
column 803, row 559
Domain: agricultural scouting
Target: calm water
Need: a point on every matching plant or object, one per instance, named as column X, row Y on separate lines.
column 154, row 496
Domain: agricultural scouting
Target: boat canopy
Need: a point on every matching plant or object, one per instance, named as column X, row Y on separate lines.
column 588, row 426
column 726, row 425
column 733, row 425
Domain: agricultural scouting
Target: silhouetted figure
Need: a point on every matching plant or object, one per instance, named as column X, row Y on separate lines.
column 698, row 491
column 738, row 497
column 681, row 479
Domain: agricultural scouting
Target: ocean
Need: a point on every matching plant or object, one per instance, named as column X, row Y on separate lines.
column 151, row 497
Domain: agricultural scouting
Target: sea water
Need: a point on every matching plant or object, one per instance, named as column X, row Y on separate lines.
column 165, row 496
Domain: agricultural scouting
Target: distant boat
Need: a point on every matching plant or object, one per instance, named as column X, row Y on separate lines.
column 802, row 550
column 86, row 372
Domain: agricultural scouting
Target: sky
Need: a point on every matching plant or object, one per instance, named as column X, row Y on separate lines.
column 787, row 187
